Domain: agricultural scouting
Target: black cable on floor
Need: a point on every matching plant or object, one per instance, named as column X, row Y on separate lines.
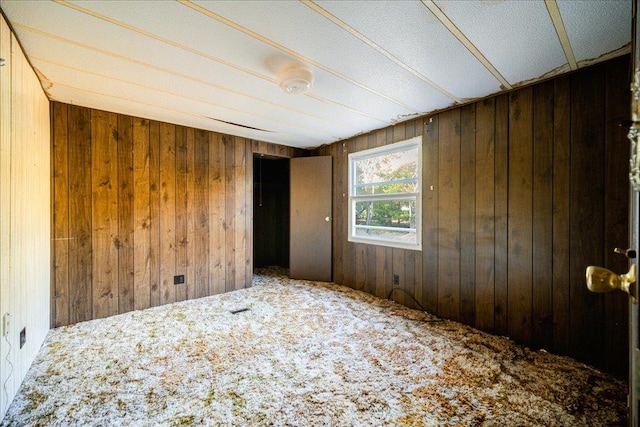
column 410, row 296
column 414, row 300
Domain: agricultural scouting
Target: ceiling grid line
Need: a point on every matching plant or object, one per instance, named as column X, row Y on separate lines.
column 561, row 31
column 372, row 44
column 215, row 59
column 444, row 19
column 179, row 95
column 199, row 81
column 164, row 40
column 291, row 52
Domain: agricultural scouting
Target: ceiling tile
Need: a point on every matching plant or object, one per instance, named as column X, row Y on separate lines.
column 596, row 27
column 517, row 37
column 410, row 32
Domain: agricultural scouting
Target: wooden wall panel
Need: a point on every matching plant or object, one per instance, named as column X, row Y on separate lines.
column 231, row 215
column 167, row 214
column 521, row 192
column 520, row 212
column 501, row 260
column 542, row 268
column 201, row 214
column 467, row 213
column 154, row 213
column 484, row 217
column 124, row 241
column 586, row 220
column 561, row 210
column 80, row 230
column 104, row 178
column 217, row 214
column 26, row 224
column 430, row 235
column 61, row 240
column 141, row 215
column 449, row 215
column 137, row 202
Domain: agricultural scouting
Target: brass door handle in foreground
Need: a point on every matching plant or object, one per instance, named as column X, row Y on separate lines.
column 600, row 279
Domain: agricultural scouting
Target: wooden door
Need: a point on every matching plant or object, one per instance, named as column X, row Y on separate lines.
column 310, row 241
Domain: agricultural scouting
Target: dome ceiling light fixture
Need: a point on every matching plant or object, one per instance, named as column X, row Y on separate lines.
column 295, row 79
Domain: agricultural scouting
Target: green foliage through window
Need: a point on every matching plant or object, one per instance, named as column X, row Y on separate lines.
column 384, row 194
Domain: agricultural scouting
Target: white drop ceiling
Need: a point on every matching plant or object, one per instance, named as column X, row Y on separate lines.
column 213, row 64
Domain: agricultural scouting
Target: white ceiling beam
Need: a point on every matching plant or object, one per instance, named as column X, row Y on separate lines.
column 561, row 31
column 444, row 19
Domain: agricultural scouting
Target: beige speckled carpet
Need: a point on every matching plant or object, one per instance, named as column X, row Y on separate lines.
column 303, row 354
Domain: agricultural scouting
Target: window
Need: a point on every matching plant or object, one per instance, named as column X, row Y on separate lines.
column 385, row 195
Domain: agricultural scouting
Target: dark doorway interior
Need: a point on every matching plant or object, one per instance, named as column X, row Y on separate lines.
column 270, row 211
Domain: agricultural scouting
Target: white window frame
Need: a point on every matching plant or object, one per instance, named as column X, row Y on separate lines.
column 415, row 142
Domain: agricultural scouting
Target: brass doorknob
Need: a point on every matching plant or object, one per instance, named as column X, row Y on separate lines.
column 599, row 279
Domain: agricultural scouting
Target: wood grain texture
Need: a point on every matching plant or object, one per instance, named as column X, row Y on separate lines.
column 201, row 214
column 167, row 215
column 80, row 196
column 501, row 194
column 183, row 213
column 468, row 214
column 141, row 215
column 542, row 280
column 125, row 215
column 586, row 200
column 430, row 227
column 60, row 209
column 449, row 215
column 240, row 211
column 349, row 251
column 217, row 213
column 154, row 213
column 104, row 128
column 561, row 213
column 485, row 215
column 520, row 226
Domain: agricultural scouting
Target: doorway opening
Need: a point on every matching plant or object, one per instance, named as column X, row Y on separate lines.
column 271, row 195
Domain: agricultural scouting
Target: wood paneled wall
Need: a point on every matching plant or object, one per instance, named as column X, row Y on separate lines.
column 25, row 219
column 136, row 202
column 520, row 193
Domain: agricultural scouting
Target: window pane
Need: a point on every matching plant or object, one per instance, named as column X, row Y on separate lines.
column 387, row 173
column 385, row 195
column 408, row 236
column 404, row 186
column 387, row 213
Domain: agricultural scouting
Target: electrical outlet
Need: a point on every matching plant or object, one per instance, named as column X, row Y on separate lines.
column 23, row 336
column 6, row 322
column 178, row 280
column 396, row 279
